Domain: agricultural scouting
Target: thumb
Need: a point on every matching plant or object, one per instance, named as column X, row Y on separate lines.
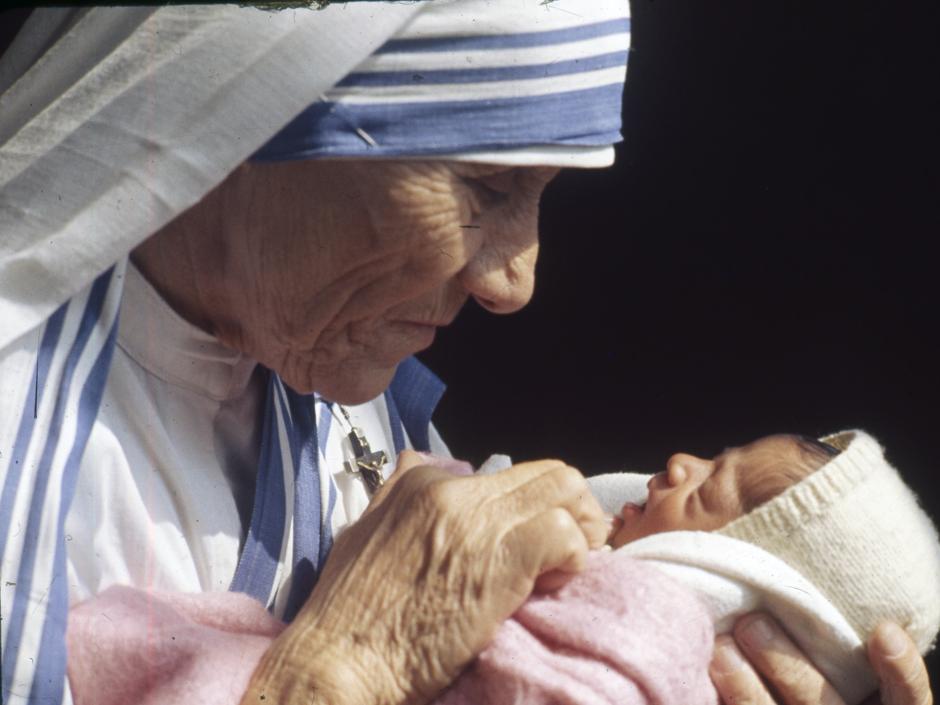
column 900, row 668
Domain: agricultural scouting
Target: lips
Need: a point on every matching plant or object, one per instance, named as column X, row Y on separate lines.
column 432, row 324
column 631, row 510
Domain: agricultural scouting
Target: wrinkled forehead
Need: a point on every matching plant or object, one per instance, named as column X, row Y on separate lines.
column 522, row 83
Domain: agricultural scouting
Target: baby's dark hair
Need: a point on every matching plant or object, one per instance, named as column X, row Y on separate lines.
column 758, row 488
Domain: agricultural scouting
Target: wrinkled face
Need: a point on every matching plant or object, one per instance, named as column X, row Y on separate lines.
column 348, row 267
column 695, row 494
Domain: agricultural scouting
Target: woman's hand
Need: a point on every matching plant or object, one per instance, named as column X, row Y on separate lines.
column 416, row 588
column 768, row 651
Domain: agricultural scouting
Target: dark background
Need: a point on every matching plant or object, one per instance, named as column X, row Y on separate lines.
column 759, row 260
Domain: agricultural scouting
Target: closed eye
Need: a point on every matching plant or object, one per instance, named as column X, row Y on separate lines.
column 488, row 192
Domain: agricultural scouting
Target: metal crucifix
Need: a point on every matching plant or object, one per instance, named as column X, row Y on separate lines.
column 366, row 462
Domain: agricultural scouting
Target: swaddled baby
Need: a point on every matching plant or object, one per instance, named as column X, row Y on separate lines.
column 826, row 537
column 822, row 534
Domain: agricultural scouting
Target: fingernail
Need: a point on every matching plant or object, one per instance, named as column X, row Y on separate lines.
column 759, row 633
column 727, row 660
column 892, row 641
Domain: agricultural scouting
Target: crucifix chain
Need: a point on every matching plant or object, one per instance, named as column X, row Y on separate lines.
column 365, row 462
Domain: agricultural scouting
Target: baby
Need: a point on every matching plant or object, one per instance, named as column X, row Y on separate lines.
column 703, row 495
column 822, row 534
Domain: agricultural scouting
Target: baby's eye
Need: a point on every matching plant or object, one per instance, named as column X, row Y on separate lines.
column 709, row 492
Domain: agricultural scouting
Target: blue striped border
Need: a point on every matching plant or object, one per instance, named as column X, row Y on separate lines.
column 47, row 346
column 307, row 508
column 326, row 530
column 261, row 553
column 48, row 685
column 24, row 581
column 519, row 40
column 553, row 69
column 587, row 117
column 416, row 392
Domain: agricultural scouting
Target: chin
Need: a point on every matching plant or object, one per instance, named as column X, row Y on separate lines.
column 350, row 385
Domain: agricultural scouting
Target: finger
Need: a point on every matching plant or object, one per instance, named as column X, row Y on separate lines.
column 552, row 580
column 734, row 679
column 785, row 667
column 521, row 474
column 549, row 542
column 900, row 668
column 547, row 484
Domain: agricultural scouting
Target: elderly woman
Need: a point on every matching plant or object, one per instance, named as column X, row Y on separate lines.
column 260, row 381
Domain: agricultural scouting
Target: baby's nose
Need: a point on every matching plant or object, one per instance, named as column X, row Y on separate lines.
column 683, row 465
column 659, row 481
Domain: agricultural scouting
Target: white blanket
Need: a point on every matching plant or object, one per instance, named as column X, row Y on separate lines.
column 733, row 577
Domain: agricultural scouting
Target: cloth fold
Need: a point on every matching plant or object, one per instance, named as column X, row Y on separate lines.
column 733, row 577
column 101, row 142
column 131, row 646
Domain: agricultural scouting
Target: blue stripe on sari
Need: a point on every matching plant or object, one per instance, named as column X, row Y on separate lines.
column 519, row 40
column 587, row 117
column 372, row 79
column 416, row 392
column 411, row 399
column 24, row 434
column 48, row 686
column 257, row 566
column 63, row 405
column 323, row 433
column 309, row 530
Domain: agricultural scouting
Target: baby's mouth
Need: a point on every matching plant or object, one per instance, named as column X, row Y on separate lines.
column 631, row 510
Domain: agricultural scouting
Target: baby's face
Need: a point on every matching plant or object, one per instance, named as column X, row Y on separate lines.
column 695, row 494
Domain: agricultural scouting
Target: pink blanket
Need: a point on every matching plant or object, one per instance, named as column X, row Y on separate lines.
column 620, row 632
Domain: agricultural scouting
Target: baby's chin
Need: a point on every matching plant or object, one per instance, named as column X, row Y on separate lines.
column 621, row 534
column 619, row 539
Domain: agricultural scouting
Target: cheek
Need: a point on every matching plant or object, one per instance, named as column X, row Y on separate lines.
column 667, row 514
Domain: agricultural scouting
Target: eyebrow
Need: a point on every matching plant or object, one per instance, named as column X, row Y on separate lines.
column 717, row 492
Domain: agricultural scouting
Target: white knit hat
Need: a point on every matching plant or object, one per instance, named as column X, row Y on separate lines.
column 856, row 531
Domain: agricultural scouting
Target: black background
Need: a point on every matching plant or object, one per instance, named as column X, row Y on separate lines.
column 760, row 259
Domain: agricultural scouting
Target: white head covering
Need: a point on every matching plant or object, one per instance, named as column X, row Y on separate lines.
column 134, row 114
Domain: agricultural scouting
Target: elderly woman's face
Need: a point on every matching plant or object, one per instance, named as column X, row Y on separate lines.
column 345, row 268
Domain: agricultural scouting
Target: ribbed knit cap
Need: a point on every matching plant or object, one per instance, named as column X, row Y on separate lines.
column 856, row 531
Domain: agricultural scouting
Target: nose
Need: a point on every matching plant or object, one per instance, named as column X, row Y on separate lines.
column 656, row 481
column 682, row 466
column 501, row 277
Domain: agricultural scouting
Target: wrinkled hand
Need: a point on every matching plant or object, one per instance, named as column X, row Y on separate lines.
column 768, row 651
column 416, row 588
